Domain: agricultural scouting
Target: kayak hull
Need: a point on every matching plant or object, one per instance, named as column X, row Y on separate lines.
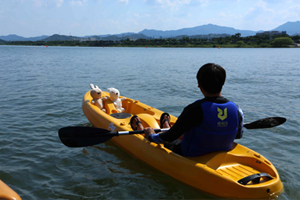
column 6, row 193
column 222, row 174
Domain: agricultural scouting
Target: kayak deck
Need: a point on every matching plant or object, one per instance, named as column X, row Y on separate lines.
column 239, row 173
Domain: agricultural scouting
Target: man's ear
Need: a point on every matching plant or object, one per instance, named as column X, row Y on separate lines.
column 199, row 85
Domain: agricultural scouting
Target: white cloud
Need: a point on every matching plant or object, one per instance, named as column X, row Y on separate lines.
column 267, row 15
column 123, row 1
column 173, row 3
column 39, row 3
column 42, row 3
column 259, row 10
column 226, row 14
column 75, row 25
column 295, row 7
column 59, row 2
column 290, row 13
column 77, row 2
column 263, row 5
column 105, row 16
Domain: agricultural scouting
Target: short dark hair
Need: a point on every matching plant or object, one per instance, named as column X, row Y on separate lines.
column 211, row 77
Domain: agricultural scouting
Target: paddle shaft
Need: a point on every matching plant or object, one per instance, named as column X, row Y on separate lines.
column 137, row 132
column 87, row 136
column 258, row 124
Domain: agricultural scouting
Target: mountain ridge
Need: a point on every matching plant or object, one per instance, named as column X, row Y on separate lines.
column 291, row 28
column 14, row 37
column 198, row 30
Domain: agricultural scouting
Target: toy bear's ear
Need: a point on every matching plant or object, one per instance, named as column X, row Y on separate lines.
column 109, row 89
column 92, row 86
column 97, row 87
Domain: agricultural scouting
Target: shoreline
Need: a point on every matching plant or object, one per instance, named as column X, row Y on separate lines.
column 234, row 41
column 218, row 47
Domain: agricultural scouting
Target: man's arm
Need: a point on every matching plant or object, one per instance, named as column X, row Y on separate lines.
column 240, row 131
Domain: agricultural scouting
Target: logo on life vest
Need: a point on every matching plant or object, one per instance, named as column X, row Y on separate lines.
column 222, row 114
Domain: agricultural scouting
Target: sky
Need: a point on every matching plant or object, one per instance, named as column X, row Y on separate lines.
column 31, row 18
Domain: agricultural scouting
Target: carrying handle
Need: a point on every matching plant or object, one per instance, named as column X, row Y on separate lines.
column 255, row 178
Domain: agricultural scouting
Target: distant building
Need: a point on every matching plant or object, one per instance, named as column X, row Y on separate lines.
column 85, row 39
column 272, row 33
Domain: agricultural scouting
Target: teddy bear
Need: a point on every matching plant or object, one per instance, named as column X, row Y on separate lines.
column 96, row 93
column 114, row 96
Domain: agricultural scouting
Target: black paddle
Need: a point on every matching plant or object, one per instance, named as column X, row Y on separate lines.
column 80, row 136
column 265, row 123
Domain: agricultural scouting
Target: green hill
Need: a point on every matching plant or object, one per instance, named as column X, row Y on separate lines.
column 2, row 41
column 57, row 37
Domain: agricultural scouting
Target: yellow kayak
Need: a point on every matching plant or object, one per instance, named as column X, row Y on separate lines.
column 6, row 193
column 239, row 173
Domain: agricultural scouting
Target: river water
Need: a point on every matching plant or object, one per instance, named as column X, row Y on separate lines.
column 42, row 89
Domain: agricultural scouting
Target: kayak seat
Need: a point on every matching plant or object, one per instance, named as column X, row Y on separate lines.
column 135, row 107
column 128, row 104
column 148, row 120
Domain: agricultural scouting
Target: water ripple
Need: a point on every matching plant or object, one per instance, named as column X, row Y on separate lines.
column 42, row 90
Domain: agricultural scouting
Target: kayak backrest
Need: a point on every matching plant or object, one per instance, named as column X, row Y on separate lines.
column 109, row 106
column 148, row 120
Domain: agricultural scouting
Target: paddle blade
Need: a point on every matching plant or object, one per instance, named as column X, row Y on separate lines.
column 76, row 136
column 265, row 123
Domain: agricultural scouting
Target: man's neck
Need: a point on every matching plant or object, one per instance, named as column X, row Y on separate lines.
column 212, row 95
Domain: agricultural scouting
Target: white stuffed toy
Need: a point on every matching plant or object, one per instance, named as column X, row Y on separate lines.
column 114, row 96
column 96, row 93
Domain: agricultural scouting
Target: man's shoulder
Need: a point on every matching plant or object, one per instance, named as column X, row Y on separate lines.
column 196, row 103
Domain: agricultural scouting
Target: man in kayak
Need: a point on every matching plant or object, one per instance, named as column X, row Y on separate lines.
column 207, row 125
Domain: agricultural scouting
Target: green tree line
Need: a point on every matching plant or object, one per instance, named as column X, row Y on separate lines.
column 229, row 41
